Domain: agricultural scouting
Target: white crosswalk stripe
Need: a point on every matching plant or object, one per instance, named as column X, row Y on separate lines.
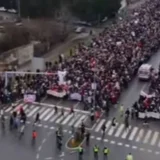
column 119, row 130
column 133, row 133
column 67, row 119
column 32, row 112
column 49, row 115
column 61, row 117
column 74, row 119
column 44, row 113
column 99, row 126
column 146, row 138
column 55, row 117
column 126, row 132
column 8, row 109
column 41, row 110
column 112, row 129
column 140, row 135
column 108, row 124
column 25, row 107
column 79, row 121
column 154, row 139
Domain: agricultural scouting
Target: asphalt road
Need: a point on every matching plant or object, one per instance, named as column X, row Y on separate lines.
column 143, row 142
column 118, row 151
column 13, row 148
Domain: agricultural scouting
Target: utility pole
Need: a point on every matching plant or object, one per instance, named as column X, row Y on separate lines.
column 19, row 8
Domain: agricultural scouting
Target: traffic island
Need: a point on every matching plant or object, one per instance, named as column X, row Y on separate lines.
column 75, row 141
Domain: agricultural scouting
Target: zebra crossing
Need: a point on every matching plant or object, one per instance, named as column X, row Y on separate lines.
column 133, row 133
column 47, row 114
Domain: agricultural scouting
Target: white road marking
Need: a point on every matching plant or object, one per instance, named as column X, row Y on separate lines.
column 32, row 112
column 133, row 133
column 127, row 145
column 111, row 130
column 41, row 110
column 118, row 132
column 112, row 142
column 141, row 149
column 74, row 119
column 61, row 118
column 79, row 121
column 98, row 138
column 44, row 113
column 105, row 140
column 55, row 117
column 8, row 109
column 67, row 119
column 125, row 133
column 25, row 107
column 140, row 135
column 108, row 125
column 134, row 147
column 49, row 115
column 146, row 138
column 100, row 125
column 154, row 138
column 119, row 144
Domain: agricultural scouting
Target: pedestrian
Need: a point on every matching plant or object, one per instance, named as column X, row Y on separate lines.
column 95, row 151
column 87, row 138
column 80, row 152
column 105, row 153
column 103, row 130
column 72, row 129
column 62, row 111
column 71, row 110
column 56, row 110
column 129, row 157
column 127, row 113
column 132, row 113
column 37, row 119
column 11, row 122
column 34, row 135
column 114, row 122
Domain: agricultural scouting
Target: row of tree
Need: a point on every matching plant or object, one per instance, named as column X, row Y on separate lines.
column 89, row 10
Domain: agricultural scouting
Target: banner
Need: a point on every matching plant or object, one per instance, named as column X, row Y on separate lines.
column 61, row 76
column 144, row 94
column 76, row 96
column 57, row 94
column 29, row 98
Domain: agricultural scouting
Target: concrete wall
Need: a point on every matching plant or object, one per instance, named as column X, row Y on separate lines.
column 20, row 55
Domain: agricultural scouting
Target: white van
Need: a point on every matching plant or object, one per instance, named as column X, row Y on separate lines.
column 144, row 71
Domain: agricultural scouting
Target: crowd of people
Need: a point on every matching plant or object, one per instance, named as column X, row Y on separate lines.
column 107, row 64
column 113, row 58
column 150, row 101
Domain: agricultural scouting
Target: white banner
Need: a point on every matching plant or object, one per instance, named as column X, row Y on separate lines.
column 75, row 96
column 61, row 76
column 57, row 94
column 29, row 98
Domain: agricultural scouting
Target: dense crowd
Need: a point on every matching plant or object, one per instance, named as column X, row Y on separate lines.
column 109, row 62
column 148, row 104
